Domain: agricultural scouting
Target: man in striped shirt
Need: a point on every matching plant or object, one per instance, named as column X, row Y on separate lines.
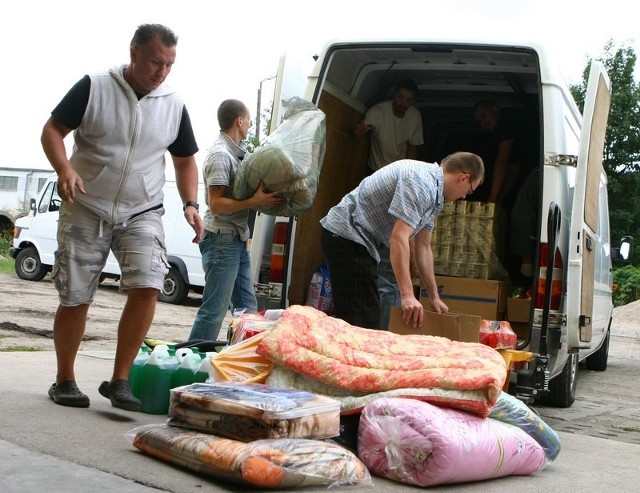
column 395, row 207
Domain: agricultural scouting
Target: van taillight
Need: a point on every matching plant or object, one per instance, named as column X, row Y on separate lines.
column 277, row 251
column 557, row 274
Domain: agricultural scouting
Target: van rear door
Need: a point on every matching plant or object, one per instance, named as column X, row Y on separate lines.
column 291, row 80
column 584, row 217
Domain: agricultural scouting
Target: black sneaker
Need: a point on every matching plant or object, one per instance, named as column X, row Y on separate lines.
column 120, row 395
column 68, row 394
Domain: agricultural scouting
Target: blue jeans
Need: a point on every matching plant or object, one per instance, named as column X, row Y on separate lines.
column 387, row 286
column 227, row 283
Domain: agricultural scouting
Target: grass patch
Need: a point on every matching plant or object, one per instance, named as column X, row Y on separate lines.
column 7, row 265
column 19, row 348
column 632, row 429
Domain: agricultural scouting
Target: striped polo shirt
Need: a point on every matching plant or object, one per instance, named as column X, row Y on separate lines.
column 408, row 190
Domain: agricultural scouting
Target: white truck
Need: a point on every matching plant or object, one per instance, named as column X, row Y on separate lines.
column 34, row 243
column 568, row 318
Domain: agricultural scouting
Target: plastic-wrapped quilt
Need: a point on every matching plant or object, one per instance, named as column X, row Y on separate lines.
column 289, row 161
column 513, row 411
column 417, row 443
column 266, row 464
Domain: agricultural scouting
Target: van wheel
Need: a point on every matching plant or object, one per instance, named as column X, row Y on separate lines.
column 562, row 389
column 598, row 361
column 28, row 265
column 174, row 289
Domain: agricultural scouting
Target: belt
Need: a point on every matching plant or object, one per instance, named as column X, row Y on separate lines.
column 154, row 208
column 220, row 231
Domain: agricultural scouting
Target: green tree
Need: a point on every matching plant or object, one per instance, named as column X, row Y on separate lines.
column 621, row 158
column 265, row 122
column 627, row 285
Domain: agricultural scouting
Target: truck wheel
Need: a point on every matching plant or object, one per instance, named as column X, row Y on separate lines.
column 598, row 361
column 28, row 265
column 175, row 290
column 562, row 389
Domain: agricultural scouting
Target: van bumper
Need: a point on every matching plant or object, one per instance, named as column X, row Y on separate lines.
column 13, row 252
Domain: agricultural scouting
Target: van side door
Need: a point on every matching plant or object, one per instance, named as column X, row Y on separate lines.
column 585, row 210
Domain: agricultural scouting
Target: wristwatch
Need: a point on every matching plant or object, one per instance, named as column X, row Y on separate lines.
column 191, row 203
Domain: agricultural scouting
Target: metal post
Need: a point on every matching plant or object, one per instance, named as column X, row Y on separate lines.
column 258, row 114
column 259, row 108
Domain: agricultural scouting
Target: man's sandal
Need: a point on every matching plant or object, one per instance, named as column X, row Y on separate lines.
column 120, row 395
column 68, row 394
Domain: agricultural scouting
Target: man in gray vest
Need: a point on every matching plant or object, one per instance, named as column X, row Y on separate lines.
column 124, row 121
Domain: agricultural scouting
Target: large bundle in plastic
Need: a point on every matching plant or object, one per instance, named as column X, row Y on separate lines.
column 418, row 443
column 289, row 161
column 247, row 411
column 513, row 411
column 265, row 464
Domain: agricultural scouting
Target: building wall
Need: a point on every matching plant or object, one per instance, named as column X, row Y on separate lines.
column 19, row 185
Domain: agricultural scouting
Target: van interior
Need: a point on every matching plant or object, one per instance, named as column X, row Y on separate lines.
column 451, row 79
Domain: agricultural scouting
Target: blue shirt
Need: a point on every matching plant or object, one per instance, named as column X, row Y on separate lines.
column 409, row 190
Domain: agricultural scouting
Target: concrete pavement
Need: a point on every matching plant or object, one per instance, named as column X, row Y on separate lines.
column 61, row 449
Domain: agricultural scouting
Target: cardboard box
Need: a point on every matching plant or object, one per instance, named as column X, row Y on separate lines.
column 521, row 329
column 454, row 326
column 485, row 298
column 518, row 310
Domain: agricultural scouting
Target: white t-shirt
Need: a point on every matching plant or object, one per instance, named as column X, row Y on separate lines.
column 390, row 135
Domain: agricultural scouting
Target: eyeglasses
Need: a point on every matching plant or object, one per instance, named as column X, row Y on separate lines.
column 471, row 189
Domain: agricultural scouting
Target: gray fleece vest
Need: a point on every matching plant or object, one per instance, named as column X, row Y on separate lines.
column 120, row 146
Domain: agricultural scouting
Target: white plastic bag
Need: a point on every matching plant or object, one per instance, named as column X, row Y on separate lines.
column 289, row 161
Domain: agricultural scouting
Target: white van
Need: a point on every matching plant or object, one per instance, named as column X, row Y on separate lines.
column 35, row 243
column 569, row 316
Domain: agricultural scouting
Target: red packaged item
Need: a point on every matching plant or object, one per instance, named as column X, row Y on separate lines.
column 248, row 325
column 497, row 334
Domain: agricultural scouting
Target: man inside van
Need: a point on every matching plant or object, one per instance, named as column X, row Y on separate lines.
column 395, row 208
column 125, row 120
column 395, row 129
column 509, row 177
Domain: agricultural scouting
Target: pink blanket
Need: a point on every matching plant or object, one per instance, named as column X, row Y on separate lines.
column 415, row 442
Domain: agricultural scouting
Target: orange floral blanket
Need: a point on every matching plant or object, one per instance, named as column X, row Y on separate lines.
column 348, row 360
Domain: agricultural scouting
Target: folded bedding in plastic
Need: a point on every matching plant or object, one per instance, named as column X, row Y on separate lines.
column 417, row 443
column 512, row 410
column 266, row 464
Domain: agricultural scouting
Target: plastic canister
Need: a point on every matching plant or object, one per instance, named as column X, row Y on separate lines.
column 135, row 372
column 202, row 373
column 156, row 380
column 189, row 364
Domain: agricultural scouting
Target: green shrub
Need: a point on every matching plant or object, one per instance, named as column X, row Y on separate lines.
column 6, row 262
column 5, row 242
column 626, row 285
